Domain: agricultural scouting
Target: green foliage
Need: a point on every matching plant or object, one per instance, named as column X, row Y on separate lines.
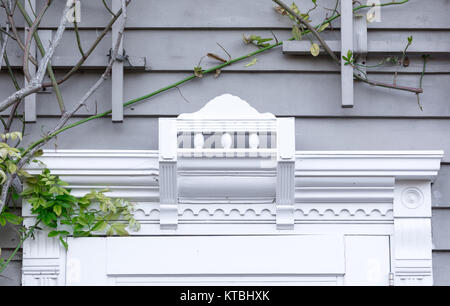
column 252, row 62
column 256, row 40
column 93, row 214
column 297, row 11
column 296, row 32
column 349, row 59
column 9, row 217
column 315, row 49
column 198, row 72
column 9, row 155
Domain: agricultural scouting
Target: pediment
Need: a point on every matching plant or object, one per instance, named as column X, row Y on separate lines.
column 225, row 107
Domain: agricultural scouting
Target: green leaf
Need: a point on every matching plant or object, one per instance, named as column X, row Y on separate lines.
column 119, row 228
column 53, row 234
column 2, row 176
column 99, row 226
column 12, row 218
column 23, row 173
column 315, row 49
column 252, row 62
column 64, row 243
column 323, row 27
column 2, row 221
column 57, row 209
column 39, row 153
column 198, row 71
column 14, row 195
column 296, row 32
column 110, row 231
column 294, row 7
column 15, row 135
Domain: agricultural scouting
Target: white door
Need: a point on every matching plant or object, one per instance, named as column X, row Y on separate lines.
column 222, row 260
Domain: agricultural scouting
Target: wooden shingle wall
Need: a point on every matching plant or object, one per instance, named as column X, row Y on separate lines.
column 173, row 35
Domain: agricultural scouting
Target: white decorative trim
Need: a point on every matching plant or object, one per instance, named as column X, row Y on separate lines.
column 332, row 190
column 225, row 107
column 43, row 259
column 252, row 182
column 168, row 181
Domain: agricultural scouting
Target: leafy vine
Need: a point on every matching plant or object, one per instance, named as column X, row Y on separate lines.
column 57, row 209
column 95, row 213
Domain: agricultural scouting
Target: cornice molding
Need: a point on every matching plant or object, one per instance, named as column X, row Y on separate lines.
column 399, row 164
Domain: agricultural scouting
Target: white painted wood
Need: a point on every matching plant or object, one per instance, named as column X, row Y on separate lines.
column 412, row 233
column 346, row 45
column 30, row 100
column 117, row 69
column 285, row 188
column 344, row 193
column 258, row 255
column 168, row 182
column 367, row 260
column 86, row 267
column 238, row 207
column 43, row 259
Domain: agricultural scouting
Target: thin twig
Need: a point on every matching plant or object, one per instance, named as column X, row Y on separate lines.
column 17, row 38
column 107, row 8
column 40, row 46
column 173, row 85
column 224, row 50
column 29, row 38
column 67, row 115
column 425, row 57
column 88, row 53
column 313, row 30
column 310, row 28
column 32, row 87
column 77, row 35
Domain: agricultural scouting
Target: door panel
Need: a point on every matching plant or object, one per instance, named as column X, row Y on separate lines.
column 367, row 260
column 236, row 260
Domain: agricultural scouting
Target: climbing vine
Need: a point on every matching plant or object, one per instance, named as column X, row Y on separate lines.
column 57, row 209
column 95, row 213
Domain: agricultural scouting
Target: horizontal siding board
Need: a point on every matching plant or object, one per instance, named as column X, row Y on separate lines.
column 441, row 188
column 311, row 134
column 173, row 50
column 136, row 133
column 12, row 276
column 289, row 94
column 244, row 14
column 441, row 228
column 441, row 268
column 9, row 237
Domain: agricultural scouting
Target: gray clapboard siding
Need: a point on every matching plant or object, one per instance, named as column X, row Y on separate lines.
column 289, row 94
column 245, row 14
column 174, row 34
column 172, row 53
column 9, row 237
column 441, row 188
column 441, row 228
column 12, row 276
column 441, row 268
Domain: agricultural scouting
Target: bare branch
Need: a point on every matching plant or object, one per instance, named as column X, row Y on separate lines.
column 313, row 30
column 29, row 38
column 67, row 115
column 36, row 82
column 310, row 28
